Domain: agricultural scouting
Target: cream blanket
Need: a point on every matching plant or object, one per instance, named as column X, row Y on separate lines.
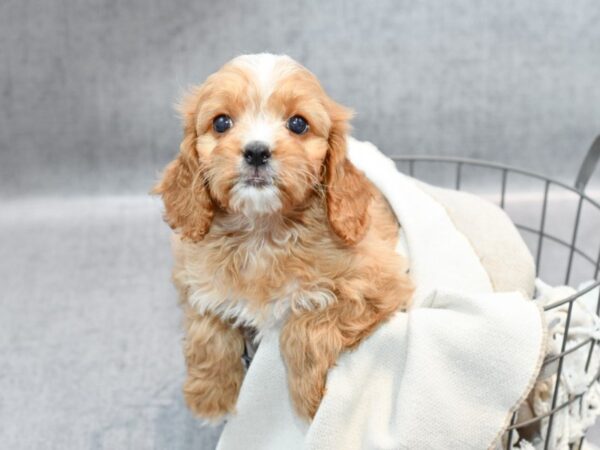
column 447, row 374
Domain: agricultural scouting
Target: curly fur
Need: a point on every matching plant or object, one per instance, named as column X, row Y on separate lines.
column 312, row 252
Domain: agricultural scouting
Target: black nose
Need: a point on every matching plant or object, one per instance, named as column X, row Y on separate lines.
column 257, row 153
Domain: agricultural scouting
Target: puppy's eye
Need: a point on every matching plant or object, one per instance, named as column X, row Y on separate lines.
column 297, row 124
column 222, row 123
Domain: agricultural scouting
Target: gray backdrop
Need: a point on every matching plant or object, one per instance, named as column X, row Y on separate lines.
column 90, row 332
column 88, row 86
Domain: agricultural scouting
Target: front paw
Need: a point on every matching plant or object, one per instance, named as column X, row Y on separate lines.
column 309, row 346
column 307, row 391
column 212, row 400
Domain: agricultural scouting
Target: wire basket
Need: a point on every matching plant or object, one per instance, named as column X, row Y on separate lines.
column 569, row 258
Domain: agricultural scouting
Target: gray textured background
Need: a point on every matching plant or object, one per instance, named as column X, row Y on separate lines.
column 87, row 86
column 89, row 330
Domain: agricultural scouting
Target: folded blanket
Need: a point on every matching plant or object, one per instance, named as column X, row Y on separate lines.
column 446, row 374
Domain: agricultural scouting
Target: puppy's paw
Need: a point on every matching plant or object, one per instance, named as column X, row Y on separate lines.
column 307, row 391
column 309, row 346
column 212, row 400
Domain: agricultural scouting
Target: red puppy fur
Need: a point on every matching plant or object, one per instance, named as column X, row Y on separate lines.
column 299, row 240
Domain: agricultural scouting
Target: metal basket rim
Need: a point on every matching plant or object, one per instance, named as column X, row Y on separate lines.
column 494, row 165
column 509, row 168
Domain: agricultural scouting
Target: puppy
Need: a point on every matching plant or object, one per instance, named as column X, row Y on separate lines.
column 274, row 227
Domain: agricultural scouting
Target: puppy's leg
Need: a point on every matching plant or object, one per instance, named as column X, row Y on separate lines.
column 311, row 341
column 213, row 352
column 310, row 345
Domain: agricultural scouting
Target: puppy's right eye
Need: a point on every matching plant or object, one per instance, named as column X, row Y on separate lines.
column 222, row 123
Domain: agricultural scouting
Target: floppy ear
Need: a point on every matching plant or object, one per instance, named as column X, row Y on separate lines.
column 348, row 190
column 188, row 205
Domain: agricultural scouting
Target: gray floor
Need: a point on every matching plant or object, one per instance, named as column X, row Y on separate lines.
column 90, row 331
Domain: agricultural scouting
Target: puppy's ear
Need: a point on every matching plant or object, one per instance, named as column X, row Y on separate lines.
column 188, row 205
column 348, row 191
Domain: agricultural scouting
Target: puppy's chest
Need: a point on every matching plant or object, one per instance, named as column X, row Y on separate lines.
column 255, row 282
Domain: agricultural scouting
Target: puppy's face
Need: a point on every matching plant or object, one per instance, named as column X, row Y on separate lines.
column 261, row 137
column 262, row 125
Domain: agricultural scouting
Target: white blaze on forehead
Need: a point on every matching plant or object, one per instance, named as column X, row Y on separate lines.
column 265, row 69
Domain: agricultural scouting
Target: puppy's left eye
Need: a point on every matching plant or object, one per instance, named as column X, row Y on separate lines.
column 297, row 124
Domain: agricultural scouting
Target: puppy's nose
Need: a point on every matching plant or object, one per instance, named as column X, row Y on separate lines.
column 257, row 153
